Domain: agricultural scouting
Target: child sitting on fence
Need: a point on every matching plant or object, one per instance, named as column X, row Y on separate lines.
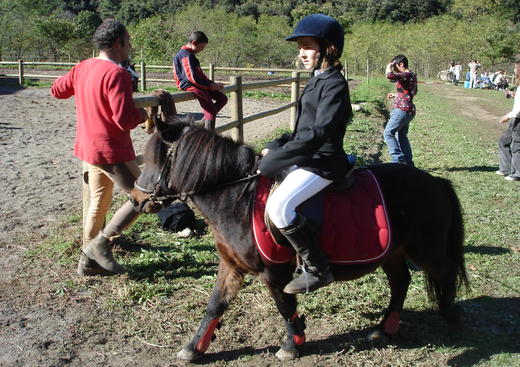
column 189, row 76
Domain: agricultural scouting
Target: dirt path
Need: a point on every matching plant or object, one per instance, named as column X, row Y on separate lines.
column 40, row 185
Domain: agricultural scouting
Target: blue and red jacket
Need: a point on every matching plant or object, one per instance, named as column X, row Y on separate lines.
column 187, row 71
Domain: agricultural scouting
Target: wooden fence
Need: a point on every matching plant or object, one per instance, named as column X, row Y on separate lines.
column 235, row 89
column 142, row 68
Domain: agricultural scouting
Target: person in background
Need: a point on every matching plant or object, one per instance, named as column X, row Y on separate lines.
column 474, row 66
column 189, row 76
column 456, row 69
column 403, row 110
column 500, row 80
column 509, row 142
column 105, row 114
column 313, row 153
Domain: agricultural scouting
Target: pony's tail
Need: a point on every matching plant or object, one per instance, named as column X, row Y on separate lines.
column 454, row 251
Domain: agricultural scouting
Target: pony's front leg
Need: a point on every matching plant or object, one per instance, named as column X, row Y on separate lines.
column 229, row 282
column 276, row 280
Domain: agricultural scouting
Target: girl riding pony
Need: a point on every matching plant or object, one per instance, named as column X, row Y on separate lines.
column 314, row 152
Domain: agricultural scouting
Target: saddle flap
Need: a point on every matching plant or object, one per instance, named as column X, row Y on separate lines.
column 355, row 228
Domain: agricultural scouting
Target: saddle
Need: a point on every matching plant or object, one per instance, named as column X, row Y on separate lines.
column 352, row 219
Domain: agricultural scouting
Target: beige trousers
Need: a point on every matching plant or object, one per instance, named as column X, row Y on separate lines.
column 101, row 180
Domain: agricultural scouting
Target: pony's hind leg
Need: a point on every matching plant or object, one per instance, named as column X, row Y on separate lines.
column 229, row 282
column 399, row 279
column 275, row 280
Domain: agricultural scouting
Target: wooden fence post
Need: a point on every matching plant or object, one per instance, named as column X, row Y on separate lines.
column 211, row 72
column 368, row 71
column 20, row 71
column 295, row 94
column 143, row 76
column 237, row 112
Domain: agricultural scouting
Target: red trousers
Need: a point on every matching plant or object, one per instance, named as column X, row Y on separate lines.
column 206, row 98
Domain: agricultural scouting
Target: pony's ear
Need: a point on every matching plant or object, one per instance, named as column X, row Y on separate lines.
column 172, row 131
column 159, row 123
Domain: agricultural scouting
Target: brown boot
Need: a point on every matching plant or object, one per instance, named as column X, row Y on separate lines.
column 87, row 267
column 316, row 271
column 100, row 250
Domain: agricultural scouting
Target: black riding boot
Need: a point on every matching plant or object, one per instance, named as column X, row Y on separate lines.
column 316, row 271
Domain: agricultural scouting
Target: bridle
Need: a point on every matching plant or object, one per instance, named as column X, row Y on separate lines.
column 163, row 199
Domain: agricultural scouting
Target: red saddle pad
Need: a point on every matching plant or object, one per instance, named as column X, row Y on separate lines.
column 355, row 230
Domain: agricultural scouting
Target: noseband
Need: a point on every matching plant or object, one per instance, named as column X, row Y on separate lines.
column 159, row 198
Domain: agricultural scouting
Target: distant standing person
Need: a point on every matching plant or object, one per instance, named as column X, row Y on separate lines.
column 509, row 142
column 403, row 110
column 456, row 69
column 189, row 76
column 105, row 114
column 474, row 65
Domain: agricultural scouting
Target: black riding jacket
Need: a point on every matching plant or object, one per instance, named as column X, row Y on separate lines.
column 316, row 143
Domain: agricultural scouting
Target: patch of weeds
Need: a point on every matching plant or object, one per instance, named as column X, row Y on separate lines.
column 36, row 83
column 259, row 94
column 61, row 251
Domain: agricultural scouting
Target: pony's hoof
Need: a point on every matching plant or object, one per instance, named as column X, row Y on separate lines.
column 377, row 338
column 189, row 355
column 285, row 355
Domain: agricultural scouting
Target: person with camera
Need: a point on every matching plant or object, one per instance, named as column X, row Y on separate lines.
column 403, row 110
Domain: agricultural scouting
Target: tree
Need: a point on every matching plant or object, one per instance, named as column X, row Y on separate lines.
column 155, row 40
column 469, row 9
column 108, row 8
column 54, row 33
column 132, row 11
column 86, row 23
column 510, row 9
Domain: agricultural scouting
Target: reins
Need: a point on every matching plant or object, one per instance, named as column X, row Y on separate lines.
column 164, row 199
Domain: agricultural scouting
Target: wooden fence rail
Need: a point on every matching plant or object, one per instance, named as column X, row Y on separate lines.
column 142, row 68
column 235, row 89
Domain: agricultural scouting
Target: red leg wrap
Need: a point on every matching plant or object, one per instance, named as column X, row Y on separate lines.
column 298, row 339
column 391, row 323
column 206, row 339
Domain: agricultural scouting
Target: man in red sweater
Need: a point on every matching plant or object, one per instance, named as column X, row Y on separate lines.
column 105, row 114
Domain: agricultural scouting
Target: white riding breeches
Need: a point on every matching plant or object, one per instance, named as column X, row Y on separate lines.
column 298, row 186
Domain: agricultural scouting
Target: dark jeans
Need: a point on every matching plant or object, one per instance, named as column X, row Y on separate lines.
column 509, row 150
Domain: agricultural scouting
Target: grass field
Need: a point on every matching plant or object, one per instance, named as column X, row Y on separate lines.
column 161, row 300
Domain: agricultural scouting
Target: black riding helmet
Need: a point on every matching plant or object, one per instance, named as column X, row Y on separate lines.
column 321, row 26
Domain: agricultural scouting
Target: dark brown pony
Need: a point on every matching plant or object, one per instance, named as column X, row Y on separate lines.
column 182, row 159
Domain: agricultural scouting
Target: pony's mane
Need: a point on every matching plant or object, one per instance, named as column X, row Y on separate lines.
column 205, row 160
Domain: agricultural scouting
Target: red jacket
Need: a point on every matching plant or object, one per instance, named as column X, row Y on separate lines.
column 105, row 110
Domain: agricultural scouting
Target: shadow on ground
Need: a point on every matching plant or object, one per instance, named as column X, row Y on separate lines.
column 490, row 327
